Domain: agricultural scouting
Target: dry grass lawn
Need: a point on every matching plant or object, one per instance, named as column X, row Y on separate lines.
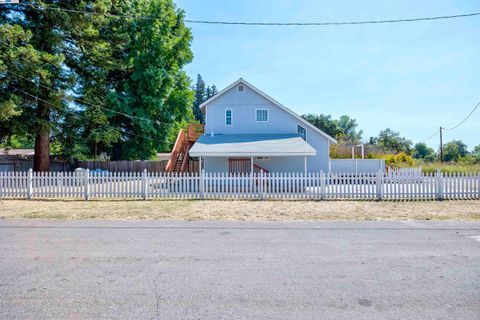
column 240, row 210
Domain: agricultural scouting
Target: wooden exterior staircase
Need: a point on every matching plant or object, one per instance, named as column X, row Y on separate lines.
column 179, row 158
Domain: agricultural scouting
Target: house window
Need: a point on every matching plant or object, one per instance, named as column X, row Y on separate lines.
column 240, row 88
column 261, row 115
column 228, row 117
column 302, row 132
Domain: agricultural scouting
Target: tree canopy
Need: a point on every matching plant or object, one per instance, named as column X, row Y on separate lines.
column 391, row 140
column 454, row 150
column 94, row 83
column 423, row 152
column 202, row 94
column 343, row 129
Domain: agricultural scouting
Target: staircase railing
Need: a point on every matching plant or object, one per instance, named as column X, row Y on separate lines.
column 258, row 169
column 244, row 166
column 177, row 148
column 194, row 131
column 185, row 140
column 186, row 158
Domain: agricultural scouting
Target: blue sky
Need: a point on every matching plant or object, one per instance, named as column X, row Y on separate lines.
column 411, row 77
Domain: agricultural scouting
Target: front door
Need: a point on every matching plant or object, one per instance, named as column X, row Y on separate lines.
column 239, row 165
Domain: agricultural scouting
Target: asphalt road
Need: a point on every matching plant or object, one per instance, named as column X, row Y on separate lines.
column 209, row 270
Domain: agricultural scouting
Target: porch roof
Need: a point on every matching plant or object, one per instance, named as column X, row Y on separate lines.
column 251, row 145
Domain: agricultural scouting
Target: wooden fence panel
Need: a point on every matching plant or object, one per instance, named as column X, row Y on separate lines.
column 132, row 166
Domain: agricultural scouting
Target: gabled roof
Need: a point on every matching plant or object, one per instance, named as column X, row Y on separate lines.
column 275, row 102
column 251, row 145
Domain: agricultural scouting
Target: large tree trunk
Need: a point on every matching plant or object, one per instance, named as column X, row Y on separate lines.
column 41, row 159
column 117, row 151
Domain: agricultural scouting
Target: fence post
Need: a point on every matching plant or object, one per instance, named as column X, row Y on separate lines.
column 87, row 184
column 202, row 184
column 144, row 184
column 478, row 185
column 261, row 182
column 323, row 187
column 30, row 183
column 379, row 185
column 439, row 185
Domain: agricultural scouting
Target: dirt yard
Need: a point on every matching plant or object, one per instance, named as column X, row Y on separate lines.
column 240, row 210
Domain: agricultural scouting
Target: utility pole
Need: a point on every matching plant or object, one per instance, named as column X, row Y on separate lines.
column 441, row 145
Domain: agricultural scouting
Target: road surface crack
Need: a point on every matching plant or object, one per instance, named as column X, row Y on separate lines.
column 158, row 298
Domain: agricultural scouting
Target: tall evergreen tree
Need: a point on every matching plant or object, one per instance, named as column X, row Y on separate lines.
column 202, row 93
column 32, row 77
column 126, row 75
column 199, row 97
column 211, row 91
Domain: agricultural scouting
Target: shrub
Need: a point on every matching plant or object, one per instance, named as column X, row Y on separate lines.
column 398, row 160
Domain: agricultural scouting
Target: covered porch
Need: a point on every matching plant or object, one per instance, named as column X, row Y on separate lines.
column 245, row 153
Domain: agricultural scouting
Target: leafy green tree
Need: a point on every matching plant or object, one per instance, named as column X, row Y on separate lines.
column 390, row 140
column 476, row 151
column 476, row 154
column 454, row 150
column 133, row 88
column 422, row 151
column 344, row 129
column 324, row 123
column 125, row 74
column 348, row 127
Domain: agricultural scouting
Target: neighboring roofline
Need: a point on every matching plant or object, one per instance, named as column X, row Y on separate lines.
column 275, row 102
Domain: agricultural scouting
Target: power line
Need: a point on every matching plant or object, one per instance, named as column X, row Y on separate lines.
column 452, row 128
column 461, row 122
column 338, row 23
column 92, row 105
column 82, row 116
column 430, row 137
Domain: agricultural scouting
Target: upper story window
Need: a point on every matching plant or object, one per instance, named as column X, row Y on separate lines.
column 240, row 88
column 261, row 115
column 302, row 132
column 228, row 117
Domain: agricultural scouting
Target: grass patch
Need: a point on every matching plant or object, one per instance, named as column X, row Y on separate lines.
column 450, row 167
column 240, row 210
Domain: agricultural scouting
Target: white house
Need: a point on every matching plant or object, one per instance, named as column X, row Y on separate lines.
column 248, row 131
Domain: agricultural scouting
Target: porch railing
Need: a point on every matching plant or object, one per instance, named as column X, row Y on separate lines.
column 244, row 166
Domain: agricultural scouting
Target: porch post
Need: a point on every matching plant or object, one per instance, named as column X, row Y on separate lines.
column 305, row 160
column 199, row 165
column 251, row 164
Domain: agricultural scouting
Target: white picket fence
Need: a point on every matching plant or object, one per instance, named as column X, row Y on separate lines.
column 86, row 185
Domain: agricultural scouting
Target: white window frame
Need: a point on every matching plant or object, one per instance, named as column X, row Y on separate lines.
column 243, row 88
column 262, row 109
column 231, row 117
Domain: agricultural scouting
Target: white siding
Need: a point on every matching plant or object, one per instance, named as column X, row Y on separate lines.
column 243, row 105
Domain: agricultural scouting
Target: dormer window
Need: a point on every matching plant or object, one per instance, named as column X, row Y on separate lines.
column 240, row 88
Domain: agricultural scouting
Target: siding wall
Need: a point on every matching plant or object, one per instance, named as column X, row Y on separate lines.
column 243, row 107
column 274, row 164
